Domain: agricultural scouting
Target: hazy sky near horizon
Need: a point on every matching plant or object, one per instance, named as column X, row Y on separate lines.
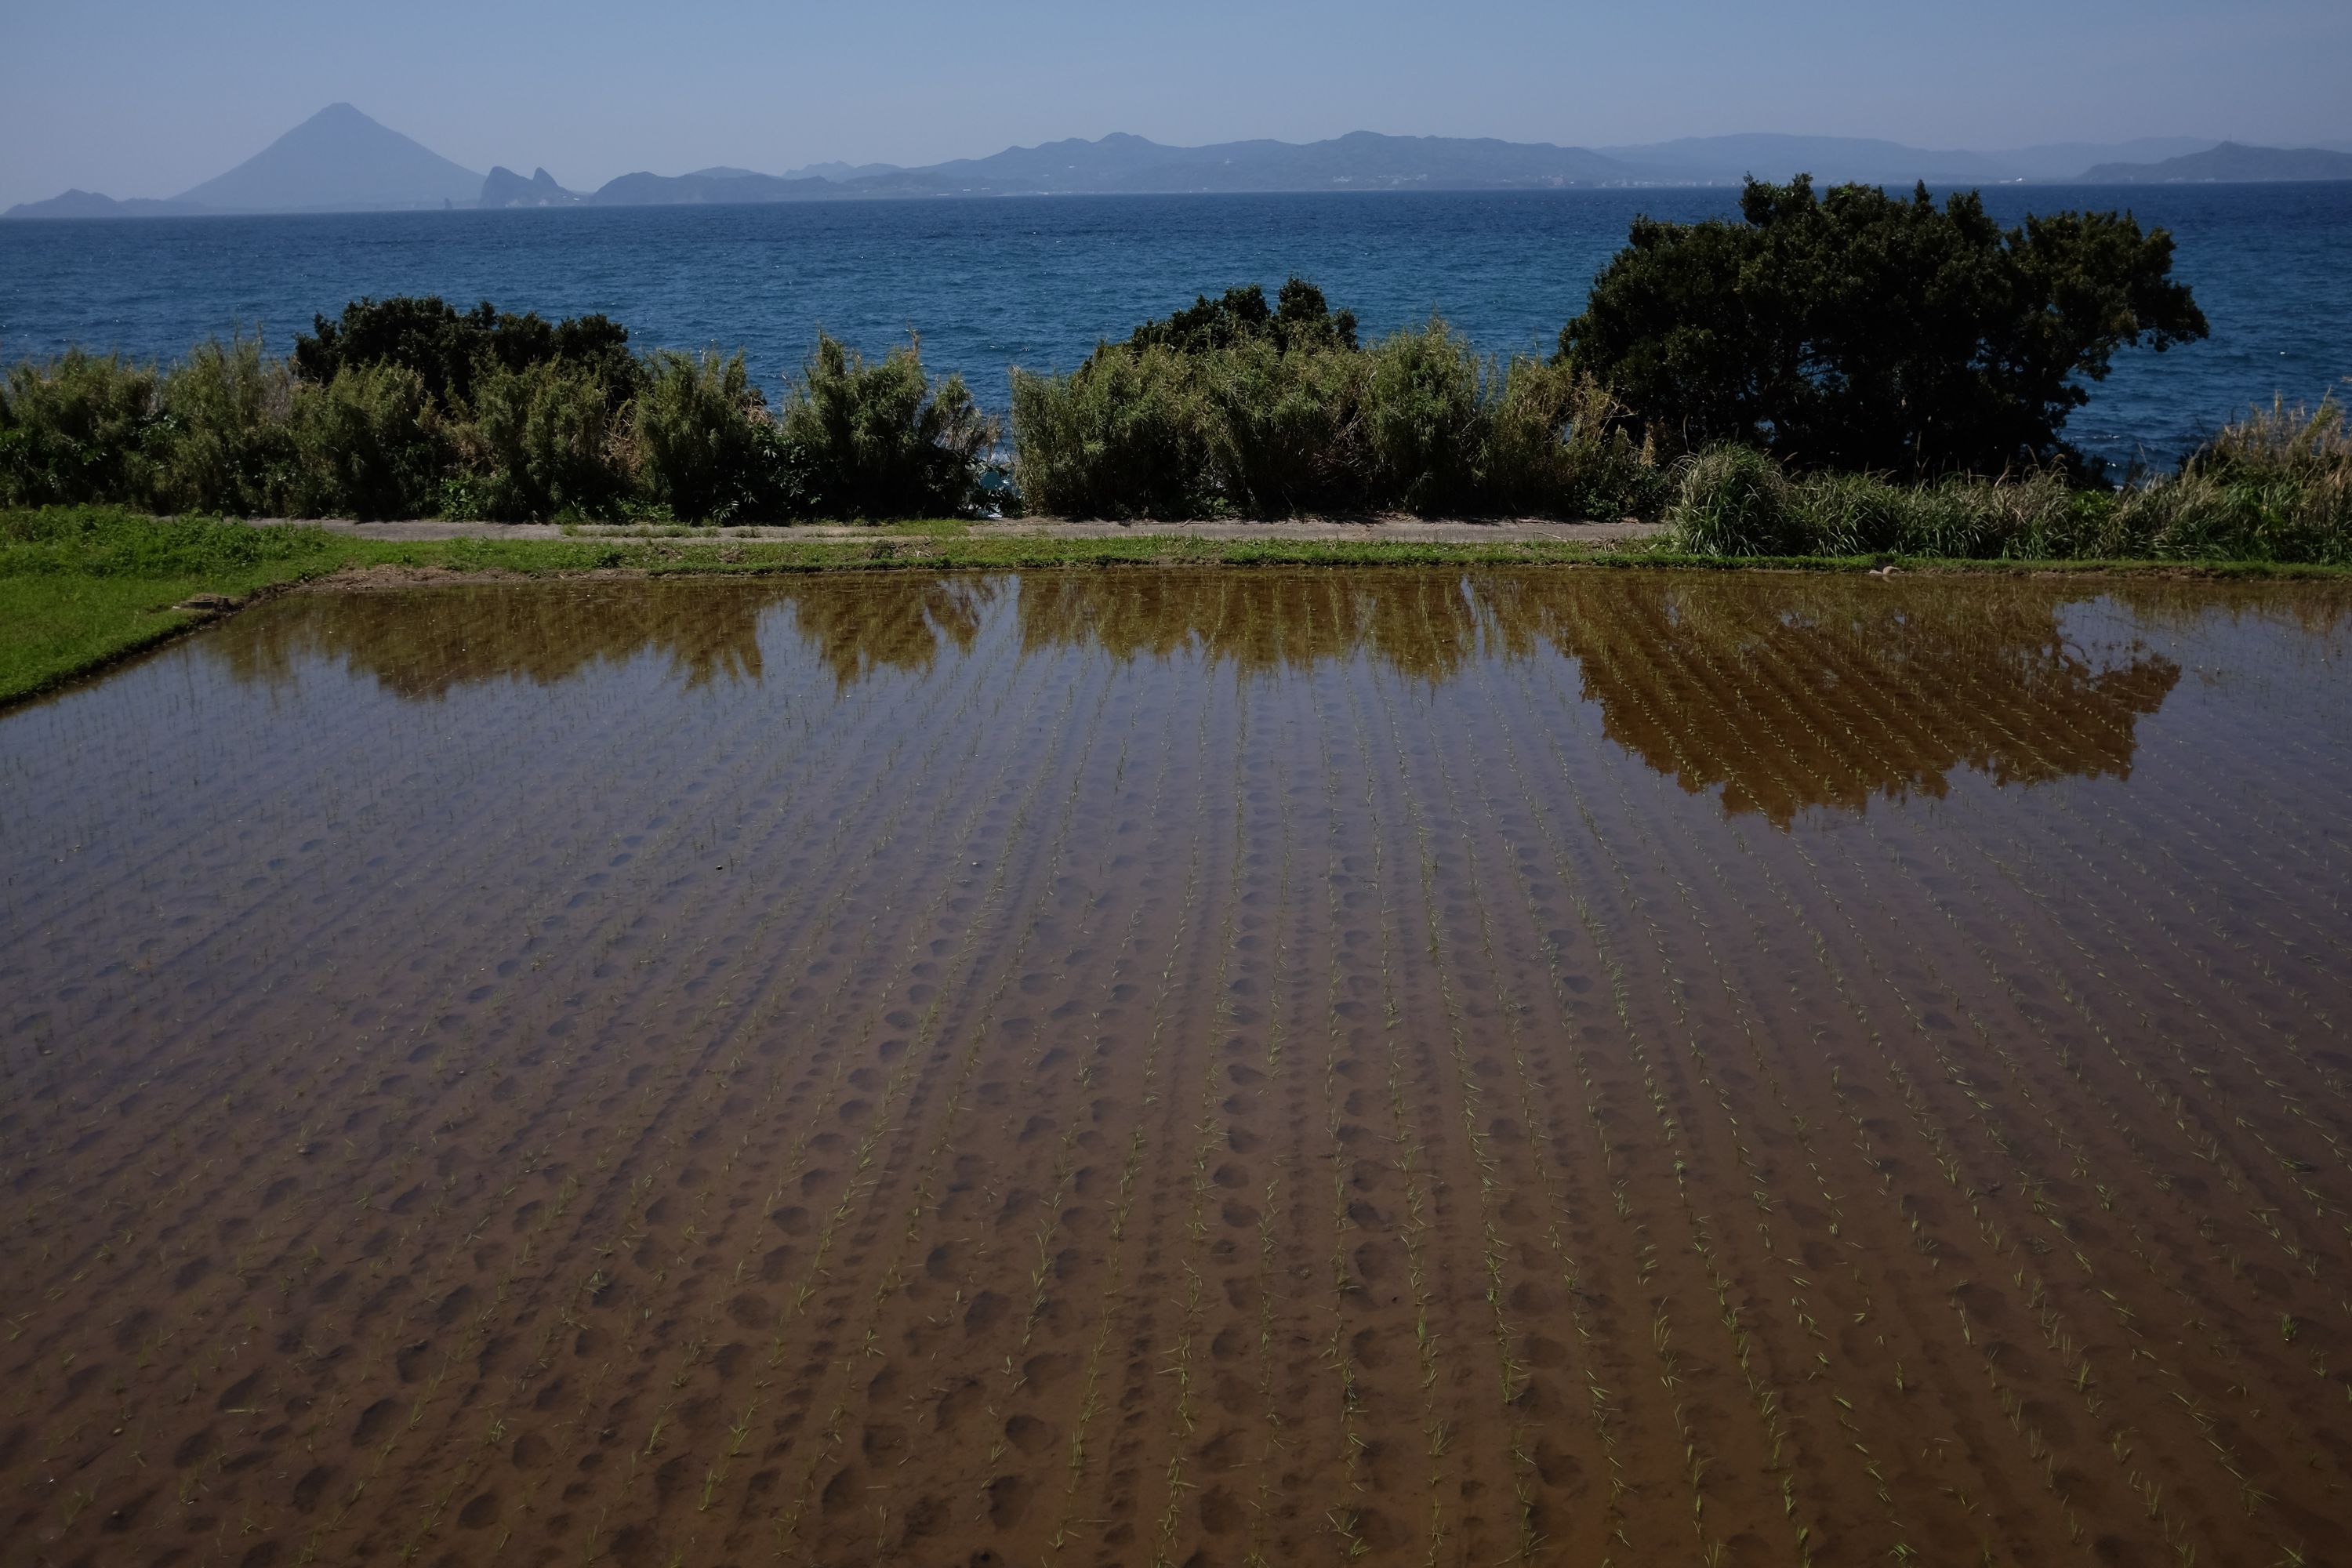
column 148, row 97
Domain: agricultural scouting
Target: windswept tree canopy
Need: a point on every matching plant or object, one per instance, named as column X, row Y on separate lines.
column 1300, row 318
column 446, row 347
column 1862, row 330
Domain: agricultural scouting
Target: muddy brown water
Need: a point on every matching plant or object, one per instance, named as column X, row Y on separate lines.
column 1196, row 1067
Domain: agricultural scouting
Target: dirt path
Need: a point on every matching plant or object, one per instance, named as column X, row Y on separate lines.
column 1399, row 529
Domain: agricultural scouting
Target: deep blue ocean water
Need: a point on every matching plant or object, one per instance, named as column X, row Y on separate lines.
column 1036, row 282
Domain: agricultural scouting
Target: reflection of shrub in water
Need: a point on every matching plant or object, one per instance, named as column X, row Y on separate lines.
column 425, row 643
column 1414, row 623
column 860, row 625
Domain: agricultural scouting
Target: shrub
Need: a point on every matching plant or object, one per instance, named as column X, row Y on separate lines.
column 447, row 349
column 1130, row 433
column 542, row 442
column 221, row 444
column 74, row 430
column 1285, row 429
column 368, row 444
column 882, row 439
column 1428, row 420
column 1867, row 333
column 1232, row 408
column 704, row 445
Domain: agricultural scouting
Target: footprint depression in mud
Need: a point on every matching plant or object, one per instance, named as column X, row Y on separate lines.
column 1189, row 1066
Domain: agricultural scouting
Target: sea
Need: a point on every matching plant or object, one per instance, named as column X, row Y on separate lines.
column 989, row 284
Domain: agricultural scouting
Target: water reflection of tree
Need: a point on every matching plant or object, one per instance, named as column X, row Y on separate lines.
column 425, row 644
column 1791, row 692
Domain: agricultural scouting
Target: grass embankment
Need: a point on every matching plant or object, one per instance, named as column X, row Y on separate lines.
column 80, row 587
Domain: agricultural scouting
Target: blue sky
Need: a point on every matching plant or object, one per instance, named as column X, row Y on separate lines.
column 143, row 97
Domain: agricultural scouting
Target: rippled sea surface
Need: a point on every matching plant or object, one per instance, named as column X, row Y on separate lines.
column 1197, row 1066
column 1036, row 282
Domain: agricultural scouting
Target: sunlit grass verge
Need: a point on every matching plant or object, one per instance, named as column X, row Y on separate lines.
column 2274, row 486
column 80, row 587
column 83, row 585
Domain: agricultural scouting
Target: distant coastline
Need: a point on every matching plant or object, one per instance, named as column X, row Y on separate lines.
column 340, row 160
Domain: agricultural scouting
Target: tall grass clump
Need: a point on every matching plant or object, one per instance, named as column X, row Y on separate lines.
column 2276, row 485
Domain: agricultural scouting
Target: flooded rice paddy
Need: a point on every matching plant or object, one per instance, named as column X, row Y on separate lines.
column 1209, row 1067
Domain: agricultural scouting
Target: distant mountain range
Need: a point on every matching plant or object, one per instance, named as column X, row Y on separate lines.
column 338, row 160
column 2233, row 162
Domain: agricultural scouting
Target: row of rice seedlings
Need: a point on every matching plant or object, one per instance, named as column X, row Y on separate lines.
column 1171, row 984
column 1770, row 1401
column 1513, row 1372
column 1553, row 1166
column 1688, row 1164
column 1952, row 1071
column 1035, row 1061
column 927, row 1044
column 1069, row 1521
column 1411, row 1159
column 1279, row 1081
column 1208, row 1134
column 1121, row 1317
column 1516, row 1377
column 1345, row 1514
column 1845, row 1406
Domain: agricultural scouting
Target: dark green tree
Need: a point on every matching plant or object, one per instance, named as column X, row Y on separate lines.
column 1864, row 331
column 446, row 347
column 1300, row 318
